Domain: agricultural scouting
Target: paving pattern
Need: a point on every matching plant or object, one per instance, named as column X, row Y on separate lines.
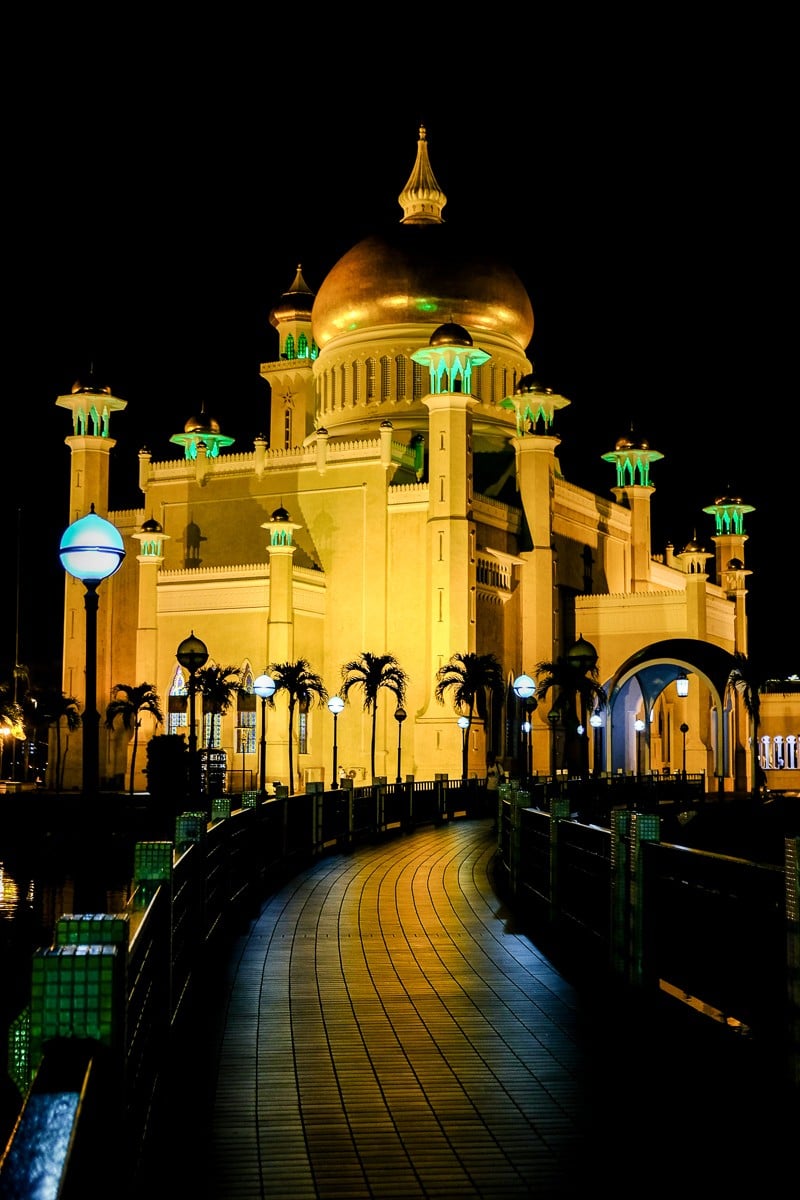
column 387, row 1032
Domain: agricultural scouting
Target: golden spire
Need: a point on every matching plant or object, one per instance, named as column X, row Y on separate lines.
column 422, row 200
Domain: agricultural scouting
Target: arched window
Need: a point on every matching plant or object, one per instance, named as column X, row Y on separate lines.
column 246, row 715
column 302, row 346
column 401, row 362
column 386, row 377
column 288, row 346
column 177, row 707
column 371, row 379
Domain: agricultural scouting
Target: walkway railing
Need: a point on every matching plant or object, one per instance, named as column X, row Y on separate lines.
column 115, row 1002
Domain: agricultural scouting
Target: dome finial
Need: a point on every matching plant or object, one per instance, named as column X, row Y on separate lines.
column 422, row 200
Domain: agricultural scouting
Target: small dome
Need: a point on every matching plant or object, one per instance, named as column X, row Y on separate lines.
column 693, row 547
column 628, row 441
column 152, row 526
column 201, row 424
column 294, row 304
column 583, row 652
column 450, row 334
column 78, row 388
column 728, row 500
column 735, row 564
column 529, row 385
column 280, row 514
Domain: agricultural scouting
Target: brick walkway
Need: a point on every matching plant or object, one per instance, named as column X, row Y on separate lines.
column 386, row 1032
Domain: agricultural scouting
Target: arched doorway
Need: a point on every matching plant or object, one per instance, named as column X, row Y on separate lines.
column 647, row 724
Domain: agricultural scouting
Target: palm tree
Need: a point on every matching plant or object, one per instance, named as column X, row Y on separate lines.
column 301, row 684
column 473, row 680
column 747, row 679
column 12, row 721
column 573, row 677
column 129, row 703
column 55, row 707
column 219, row 686
column 371, row 672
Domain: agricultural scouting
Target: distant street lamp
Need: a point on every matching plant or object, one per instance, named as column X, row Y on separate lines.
column 399, row 716
column 684, row 731
column 335, row 705
column 463, row 725
column 525, row 691
column 192, row 654
column 639, row 726
column 264, row 688
column 596, row 722
column 5, row 730
column 91, row 550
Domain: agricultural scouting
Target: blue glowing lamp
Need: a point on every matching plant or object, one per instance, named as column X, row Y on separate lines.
column 91, row 549
column 524, row 687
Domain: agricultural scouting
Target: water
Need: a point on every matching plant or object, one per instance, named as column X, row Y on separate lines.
column 42, row 877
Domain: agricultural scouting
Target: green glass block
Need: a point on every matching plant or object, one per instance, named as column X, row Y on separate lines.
column 249, row 799
column 220, row 808
column 19, row 1051
column 152, row 861
column 97, row 928
column 190, row 827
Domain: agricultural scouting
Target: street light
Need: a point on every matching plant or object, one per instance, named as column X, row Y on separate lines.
column 264, row 688
column 525, row 691
column 335, row 704
column 5, row 730
column 639, row 726
column 684, row 731
column 91, row 550
column 192, row 654
column 596, row 722
column 399, row 716
column 463, row 725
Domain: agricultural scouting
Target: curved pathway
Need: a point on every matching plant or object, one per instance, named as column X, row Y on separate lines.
column 387, row 1032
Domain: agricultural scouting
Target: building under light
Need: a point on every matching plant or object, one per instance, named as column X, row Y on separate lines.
column 408, row 499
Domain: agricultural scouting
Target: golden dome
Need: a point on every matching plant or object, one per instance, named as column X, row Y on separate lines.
column 201, row 424
column 417, row 274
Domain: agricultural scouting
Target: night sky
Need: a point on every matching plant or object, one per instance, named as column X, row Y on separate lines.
column 151, row 228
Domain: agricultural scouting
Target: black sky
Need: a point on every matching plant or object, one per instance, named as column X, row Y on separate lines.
column 649, row 211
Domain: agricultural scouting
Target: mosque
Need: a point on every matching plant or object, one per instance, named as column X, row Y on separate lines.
column 407, row 499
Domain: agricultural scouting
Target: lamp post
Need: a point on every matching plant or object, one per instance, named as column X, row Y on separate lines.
column 684, row 731
column 264, row 688
column 639, row 726
column 463, row 725
column 91, row 550
column 192, row 654
column 335, row 705
column 525, row 691
column 399, row 716
column 596, row 722
column 5, row 730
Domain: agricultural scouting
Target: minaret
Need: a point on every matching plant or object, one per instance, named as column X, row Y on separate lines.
column 450, row 357
column 535, row 454
column 291, row 378
column 280, row 625
column 730, row 574
column 151, row 538
column 202, row 439
column 90, row 451
column 692, row 561
column 633, row 457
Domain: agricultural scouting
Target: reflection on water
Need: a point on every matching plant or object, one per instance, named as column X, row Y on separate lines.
column 41, row 880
